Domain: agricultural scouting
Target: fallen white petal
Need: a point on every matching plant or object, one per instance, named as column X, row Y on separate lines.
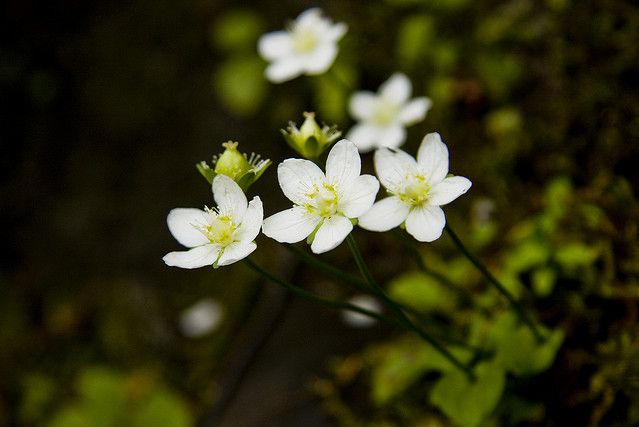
column 425, row 223
column 432, row 158
column 194, row 258
column 201, row 318
column 358, row 320
column 182, row 224
column 291, row 225
column 331, row 233
column 385, row 215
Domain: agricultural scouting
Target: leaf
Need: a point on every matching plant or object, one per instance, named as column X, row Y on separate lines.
column 422, row 292
column 240, row 85
column 162, row 409
column 516, row 348
column 467, row 403
column 414, row 34
column 236, row 30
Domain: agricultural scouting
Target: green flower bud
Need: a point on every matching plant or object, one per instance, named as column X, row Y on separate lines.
column 310, row 140
column 243, row 169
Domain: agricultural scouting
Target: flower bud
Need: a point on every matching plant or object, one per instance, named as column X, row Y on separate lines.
column 310, row 140
column 242, row 169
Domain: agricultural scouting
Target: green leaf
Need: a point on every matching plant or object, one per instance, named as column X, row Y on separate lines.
column 422, row 292
column 516, row 348
column 467, row 403
column 162, row 409
column 574, row 255
column 543, row 281
column 414, row 35
column 401, row 364
column 240, row 85
column 236, row 30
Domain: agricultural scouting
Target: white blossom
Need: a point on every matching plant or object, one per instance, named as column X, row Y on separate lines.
column 383, row 117
column 324, row 205
column 417, row 190
column 200, row 318
column 219, row 236
column 308, row 46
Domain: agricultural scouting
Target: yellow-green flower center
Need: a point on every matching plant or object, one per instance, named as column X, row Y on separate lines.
column 220, row 229
column 325, row 200
column 385, row 113
column 305, row 40
column 415, row 190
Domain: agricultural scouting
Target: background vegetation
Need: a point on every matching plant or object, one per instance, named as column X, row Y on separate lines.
column 108, row 105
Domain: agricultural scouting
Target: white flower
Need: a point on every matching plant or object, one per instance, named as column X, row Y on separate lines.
column 417, row 188
column 359, row 320
column 219, row 236
column 384, row 116
column 324, row 205
column 201, row 318
column 308, row 46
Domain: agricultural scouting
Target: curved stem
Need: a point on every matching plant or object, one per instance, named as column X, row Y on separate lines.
column 361, row 264
column 497, row 284
column 310, row 296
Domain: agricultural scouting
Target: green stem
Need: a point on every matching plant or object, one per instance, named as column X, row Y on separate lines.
column 361, row 264
column 332, row 74
column 523, row 316
column 310, row 296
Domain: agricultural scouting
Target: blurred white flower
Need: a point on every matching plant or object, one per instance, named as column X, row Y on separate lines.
column 200, row 318
column 308, row 46
column 219, row 236
column 383, row 117
column 324, row 205
column 358, row 320
column 417, row 189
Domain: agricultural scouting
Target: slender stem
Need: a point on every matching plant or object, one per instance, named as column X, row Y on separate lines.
column 310, row 296
column 497, row 284
column 332, row 74
column 327, row 268
column 361, row 264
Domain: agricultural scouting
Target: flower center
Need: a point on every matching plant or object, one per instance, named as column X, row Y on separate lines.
column 305, row 40
column 385, row 113
column 325, row 200
column 415, row 190
column 220, row 228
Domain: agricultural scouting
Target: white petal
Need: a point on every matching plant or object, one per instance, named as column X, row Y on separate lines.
column 235, row 252
column 343, row 164
column 284, row 69
column 425, row 223
column 291, row 225
column 229, row 197
column 364, row 137
column 194, row 258
column 362, row 105
column 386, row 214
column 182, row 222
column 320, row 60
column 331, row 233
column 297, row 178
column 309, row 17
column 448, row 190
column 336, row 32
column 252, row 221
column 275, row 45
column 415, row 110
column 396, row 89
column 393, row 136
column 432, row 158
column 358, row 198
column 392, row 166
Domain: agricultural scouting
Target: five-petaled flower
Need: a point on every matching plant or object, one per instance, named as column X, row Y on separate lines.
column 218, row 236
column 308, row 46
column 324, row 205
column 383, row 117
column 417, row 190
